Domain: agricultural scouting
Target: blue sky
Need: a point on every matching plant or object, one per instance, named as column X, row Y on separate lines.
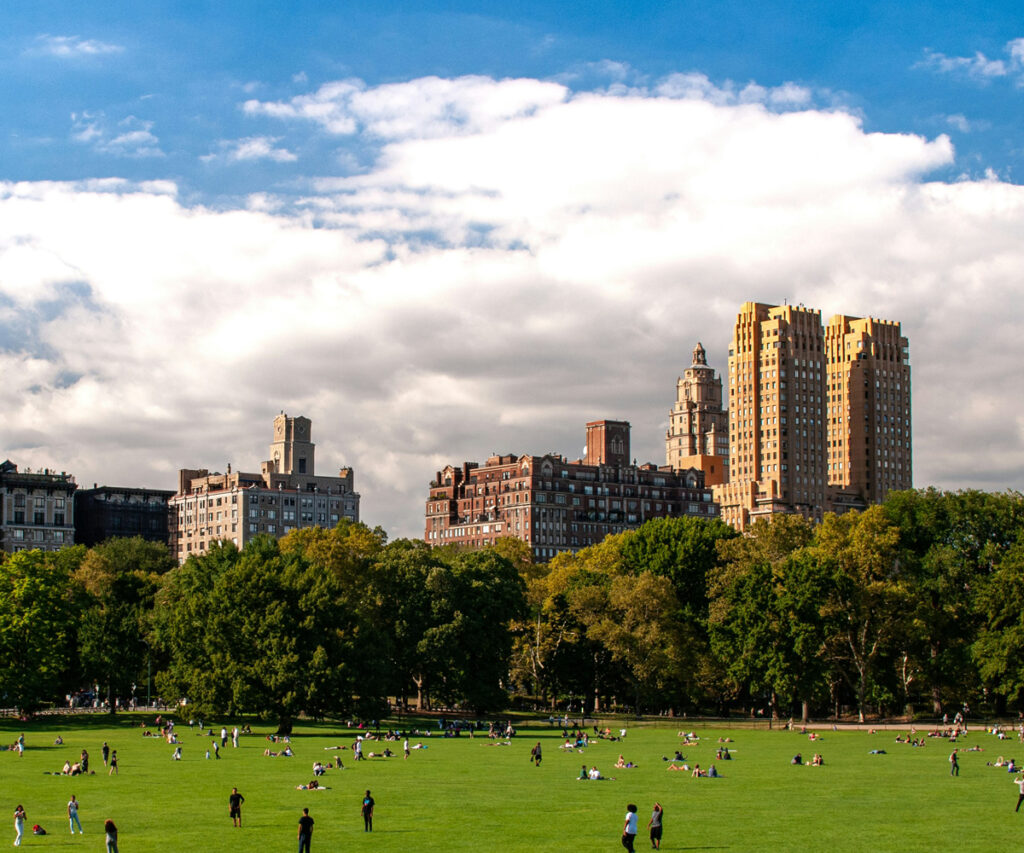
column 182, row 70
column 447, row 230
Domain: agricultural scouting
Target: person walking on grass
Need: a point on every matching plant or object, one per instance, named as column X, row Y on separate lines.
column 106, row 753
column 113, row 766
column 1019, row 782
column 305, row 831
column 535, row 755
column 655, row 825
column 235, row 807
column 629, row 828
column 111, row 833
column 368, row 805
column 19, row 824
column 954, row 765
column 73, row 815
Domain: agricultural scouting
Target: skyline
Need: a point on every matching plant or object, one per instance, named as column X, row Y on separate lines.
column 444, row 232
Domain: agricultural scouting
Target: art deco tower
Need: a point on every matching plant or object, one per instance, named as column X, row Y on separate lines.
column 776, row 415
column 868, row 410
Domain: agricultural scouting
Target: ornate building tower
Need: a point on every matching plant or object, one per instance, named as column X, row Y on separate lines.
column 698, row 426
column 292, row 450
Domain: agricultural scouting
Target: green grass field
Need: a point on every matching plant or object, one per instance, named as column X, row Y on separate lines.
column 461, row 794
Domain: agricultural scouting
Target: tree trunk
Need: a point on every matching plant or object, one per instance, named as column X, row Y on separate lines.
column 805, row 711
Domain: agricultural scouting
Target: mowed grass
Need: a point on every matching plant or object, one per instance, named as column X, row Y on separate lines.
column 463, row 794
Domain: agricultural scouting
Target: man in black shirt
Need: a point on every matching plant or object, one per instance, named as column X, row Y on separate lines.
column 305, row 831
column 235, row 806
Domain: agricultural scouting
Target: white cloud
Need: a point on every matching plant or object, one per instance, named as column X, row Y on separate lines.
column 71, row 47
column 516, row 261
column 251, row 148
column 129, row 137
column 979, row 66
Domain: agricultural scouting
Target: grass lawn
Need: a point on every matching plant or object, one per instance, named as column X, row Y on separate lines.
column 462, row 794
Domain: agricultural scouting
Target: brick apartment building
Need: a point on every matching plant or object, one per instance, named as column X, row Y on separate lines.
column 557, row 505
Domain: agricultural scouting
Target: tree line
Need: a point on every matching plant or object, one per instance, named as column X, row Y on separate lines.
column 915, row 605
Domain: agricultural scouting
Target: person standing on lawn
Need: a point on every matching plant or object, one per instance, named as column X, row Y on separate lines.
column 73, row 815
column 235, row 807
column 654, row 824
column 305, row 831
column 368, row 805
column 629, row 828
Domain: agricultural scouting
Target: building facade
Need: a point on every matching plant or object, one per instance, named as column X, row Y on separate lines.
column 557, row 505
column 104, row 512
column 285, row 495
column 37, row 509
column 698, row 425
column 819, row 418
column 868, row 411
column 776, row 415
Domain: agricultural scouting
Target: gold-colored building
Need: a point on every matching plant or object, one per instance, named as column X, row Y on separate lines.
column 284, row 495
column 776, row 415
column 698, row 425
column 868, row 410
column 819, row 418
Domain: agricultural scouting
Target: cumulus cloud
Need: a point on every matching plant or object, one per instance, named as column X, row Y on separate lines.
column 251, row 148
column 516, row 260
column 129, row 137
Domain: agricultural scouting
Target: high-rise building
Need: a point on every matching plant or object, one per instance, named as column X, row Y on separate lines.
column 36, row 509
column 776, row 415
column 819, row 419
column 698, row 425
column 868, row 410
column 558, row 505
column 285, row 495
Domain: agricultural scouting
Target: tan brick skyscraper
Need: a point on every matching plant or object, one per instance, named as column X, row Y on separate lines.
column 776, row 415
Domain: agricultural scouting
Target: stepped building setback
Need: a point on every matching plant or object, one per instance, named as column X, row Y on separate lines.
column 286, row 494
column 819, row 418
column 557, row 505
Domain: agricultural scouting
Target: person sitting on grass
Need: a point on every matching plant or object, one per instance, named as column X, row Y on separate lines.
column 713, row 772
column 66, row 771
column 797, row 759
column 697, row 772
column 817, row 761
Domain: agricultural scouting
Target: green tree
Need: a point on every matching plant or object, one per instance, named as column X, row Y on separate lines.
column 999, row 647
column 268, row 631
column 468, row 644
column 120, row 578
column 867, row 598
column 39, row 610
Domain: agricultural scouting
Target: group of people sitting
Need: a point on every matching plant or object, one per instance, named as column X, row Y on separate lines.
column 593, row 775
column 622, row 764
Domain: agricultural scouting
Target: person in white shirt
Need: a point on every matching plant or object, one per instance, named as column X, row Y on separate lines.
column 629, row 828
column 1019, row 782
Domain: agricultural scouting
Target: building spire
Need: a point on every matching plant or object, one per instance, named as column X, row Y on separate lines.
column 700, row 358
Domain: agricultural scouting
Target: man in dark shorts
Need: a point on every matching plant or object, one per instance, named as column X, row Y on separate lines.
column 235, row 807
column 368, row 805
column 305, row 831
column 655, row 825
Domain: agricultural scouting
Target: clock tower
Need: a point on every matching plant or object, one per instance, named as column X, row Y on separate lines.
column 292, row 449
